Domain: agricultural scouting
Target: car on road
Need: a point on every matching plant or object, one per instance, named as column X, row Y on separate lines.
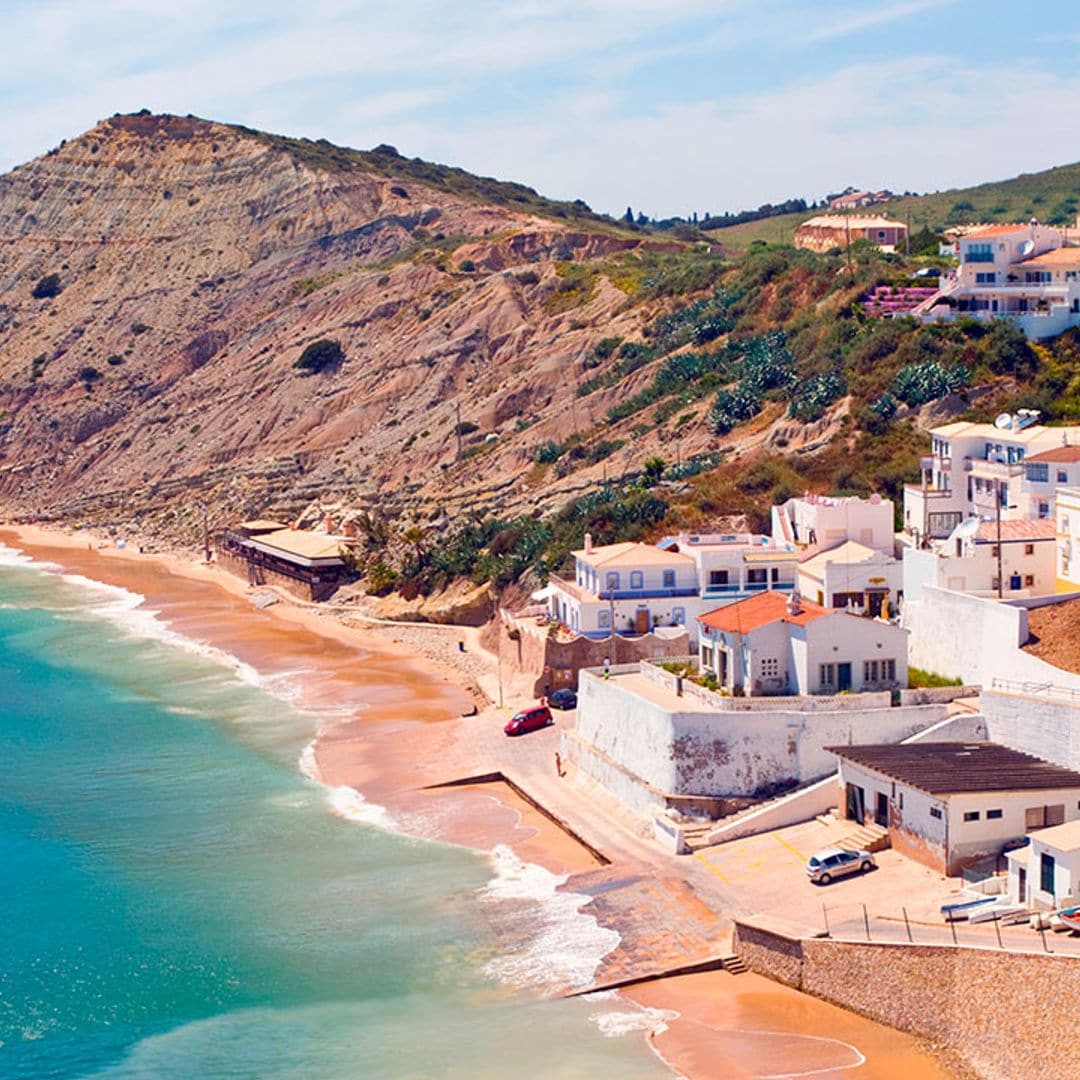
column 837, row 862
column 531, row 719
column 564, row 698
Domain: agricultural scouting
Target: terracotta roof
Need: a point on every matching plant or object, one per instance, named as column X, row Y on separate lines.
column 994, row 230
column 632, row 554
column 1025, row 529
column 1063, row 837
column 1064, row 256
column 756, row 611
column 1063, row 455
column 305, row 545
column 954, row 768
column 848, row 552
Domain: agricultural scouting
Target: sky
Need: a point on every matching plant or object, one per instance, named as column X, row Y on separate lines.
column 668, row 106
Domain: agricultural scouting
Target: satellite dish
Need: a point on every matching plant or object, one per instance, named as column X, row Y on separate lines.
column 1026, row 248
column 1003, row 421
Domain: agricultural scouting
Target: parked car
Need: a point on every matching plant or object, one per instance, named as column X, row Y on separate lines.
column 928, row 272
column 837, row 862
column 531, row 719
column 565, row 698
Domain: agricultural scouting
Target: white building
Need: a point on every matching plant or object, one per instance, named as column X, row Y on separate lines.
column 1046, row 873
column 975, row 469
column 1067, row 541
column 948, row 805
column 626, row 588
column 970, row 560
column 855, row 577
column 634, row 588
column 1044, row 473
column 773, row 644
column 825, row 521
column 1020, row 272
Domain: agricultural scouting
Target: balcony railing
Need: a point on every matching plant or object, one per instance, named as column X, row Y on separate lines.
column 998, row 470
column 645, row 594
column 714, row 591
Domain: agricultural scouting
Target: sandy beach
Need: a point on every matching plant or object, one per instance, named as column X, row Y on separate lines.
column 388, row 730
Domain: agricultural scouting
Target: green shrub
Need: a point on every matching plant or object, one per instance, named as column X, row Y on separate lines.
column 917, row 679
column 320, row 356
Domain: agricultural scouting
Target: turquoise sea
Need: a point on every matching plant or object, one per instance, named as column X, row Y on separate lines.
column 177, row 900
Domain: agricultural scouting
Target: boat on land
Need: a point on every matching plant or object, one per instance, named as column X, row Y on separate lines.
column 1068, row 917
column 962, row 909
column 1002, row 911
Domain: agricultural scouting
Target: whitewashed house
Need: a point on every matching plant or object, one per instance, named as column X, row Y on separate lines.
column 1044, row 473
column 971, row 560
column 774, row 644
column 1067, row 541
column 948, row 805
column 826, row 521
column 1046, row 873
column 977, row 470
column 1019, row 272
column 861, row 579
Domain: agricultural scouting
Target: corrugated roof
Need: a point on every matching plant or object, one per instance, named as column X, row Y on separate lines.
column 1024, row 529
column 629, row 553
column 1062, row 455
column 755, row 611
column 850, row 551
column 307, row 545
column 958, row 768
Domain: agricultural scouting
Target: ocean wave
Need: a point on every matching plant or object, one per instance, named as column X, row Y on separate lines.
column 346, row 802
column 614, row 1023
column 565, row 947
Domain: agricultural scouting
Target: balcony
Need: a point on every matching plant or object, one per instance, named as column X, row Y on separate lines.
column 731, row 592
column 993, row 470
column 645, row 594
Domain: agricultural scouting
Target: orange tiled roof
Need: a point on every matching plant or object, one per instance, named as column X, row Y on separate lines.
column 994, row 230
column 1063, row 256
column 1063, row 455
column 1025, row 529
column 756, row 611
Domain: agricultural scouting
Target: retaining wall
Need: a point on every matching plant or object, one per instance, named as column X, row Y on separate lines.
column 991, row 1008
column 1036, row 725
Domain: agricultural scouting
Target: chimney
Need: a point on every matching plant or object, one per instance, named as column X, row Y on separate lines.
column 794, row 602
column 328, row 525
column 588, row 543
column 349, row 528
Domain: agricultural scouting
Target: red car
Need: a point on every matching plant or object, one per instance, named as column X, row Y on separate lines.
column 531, row 719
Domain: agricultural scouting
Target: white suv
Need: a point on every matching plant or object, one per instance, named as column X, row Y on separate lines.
column 836, row 862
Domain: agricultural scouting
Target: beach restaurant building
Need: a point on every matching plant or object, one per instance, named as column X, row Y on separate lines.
column 311, row 565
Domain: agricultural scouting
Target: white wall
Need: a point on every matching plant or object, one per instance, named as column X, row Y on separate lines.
column 1035, row 724
column 706, row 752
column 1066, row 874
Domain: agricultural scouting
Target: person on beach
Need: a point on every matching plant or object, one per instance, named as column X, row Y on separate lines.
column 558, row 764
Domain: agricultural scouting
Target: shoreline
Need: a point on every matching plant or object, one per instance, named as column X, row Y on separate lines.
column 379, row 688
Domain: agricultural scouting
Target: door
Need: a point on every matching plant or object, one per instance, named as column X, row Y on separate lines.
column 843, row 676
column 881, row 810
column 1021, row 892
column 641, row 620
column 874, row 600
column 855, row 809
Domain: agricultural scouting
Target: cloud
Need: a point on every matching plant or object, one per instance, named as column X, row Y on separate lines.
column 858, row 20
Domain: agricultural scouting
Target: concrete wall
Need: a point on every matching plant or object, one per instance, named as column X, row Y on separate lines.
column 801, row 805
column 1035, row 724
column 986, row 1006
column 710, row 753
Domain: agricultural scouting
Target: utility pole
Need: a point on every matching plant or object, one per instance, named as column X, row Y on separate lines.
column 907, row 235
column 997, row 507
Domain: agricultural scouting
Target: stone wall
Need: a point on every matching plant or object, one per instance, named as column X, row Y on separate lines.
column 989, row 1007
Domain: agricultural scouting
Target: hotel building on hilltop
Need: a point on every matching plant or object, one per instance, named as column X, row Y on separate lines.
column 825, row 232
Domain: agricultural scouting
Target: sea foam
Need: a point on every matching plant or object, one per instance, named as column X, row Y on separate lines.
column 564, row 946
column 344, row 801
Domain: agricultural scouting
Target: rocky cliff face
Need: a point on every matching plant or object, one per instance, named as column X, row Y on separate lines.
column 196, row 261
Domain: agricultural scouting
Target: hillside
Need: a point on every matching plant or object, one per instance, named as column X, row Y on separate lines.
column 1053, row 196
column 492, row 368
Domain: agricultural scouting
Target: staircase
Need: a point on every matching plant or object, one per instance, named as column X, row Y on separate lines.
column 866, row 838
column 734, row 965
column 696, row 835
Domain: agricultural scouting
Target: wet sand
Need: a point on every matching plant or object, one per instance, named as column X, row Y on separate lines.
column 380, row 706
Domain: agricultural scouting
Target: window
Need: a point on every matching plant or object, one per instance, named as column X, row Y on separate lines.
column 669, row 579
column 994, row 551
column 1044, row 509
column 770, row 667
column 901, row 800
column 972, row 815
column 757, row 577
column 718, row 577
column 603, row 619
column 1029, row 581
column 979, row 253
column 870, row 671
column 636, row 579
column 1046, row 873
column 612, row 579
column 1037, row 471
column 985, row 278
column 1038, row 277
column 993, row 815
column 774, row 574
column 827, row 676
column 995, row 583
column 1062, row 476
column 678, row 616
column 935, row 812
column 1029, row 549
